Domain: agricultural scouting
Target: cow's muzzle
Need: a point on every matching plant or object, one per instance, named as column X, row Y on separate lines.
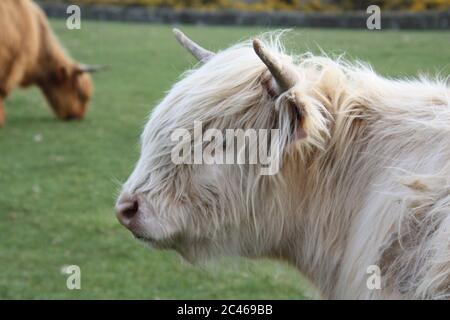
column 127, row 209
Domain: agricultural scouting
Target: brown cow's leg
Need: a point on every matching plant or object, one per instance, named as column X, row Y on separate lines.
column 2, row 113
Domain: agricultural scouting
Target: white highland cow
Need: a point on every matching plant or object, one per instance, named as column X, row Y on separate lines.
column 364, row 179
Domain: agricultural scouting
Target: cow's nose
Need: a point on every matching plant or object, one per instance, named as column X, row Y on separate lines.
column 126, row 210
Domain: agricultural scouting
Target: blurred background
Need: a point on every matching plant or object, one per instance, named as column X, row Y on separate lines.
column 268, row 5
column 396, row 14
column 59, row 180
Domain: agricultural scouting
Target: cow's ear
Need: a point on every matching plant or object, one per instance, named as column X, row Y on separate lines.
column 61, row 74
column 302, row 118
column 292, row 116
column 270, row 86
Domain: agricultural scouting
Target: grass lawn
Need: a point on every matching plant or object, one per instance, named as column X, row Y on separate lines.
column 58, row 181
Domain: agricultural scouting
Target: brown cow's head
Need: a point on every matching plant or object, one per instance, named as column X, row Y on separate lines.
column 68, row 90
column 200, row 208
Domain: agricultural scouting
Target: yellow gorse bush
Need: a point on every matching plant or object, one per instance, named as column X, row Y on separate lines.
column 268, row 5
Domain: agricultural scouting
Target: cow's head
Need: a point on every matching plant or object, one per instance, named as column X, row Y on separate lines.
column 68, row 90
column 199, row 209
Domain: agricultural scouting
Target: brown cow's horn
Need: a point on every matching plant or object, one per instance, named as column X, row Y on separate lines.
column 198, row 52
column 90, row 69
column 284, row 75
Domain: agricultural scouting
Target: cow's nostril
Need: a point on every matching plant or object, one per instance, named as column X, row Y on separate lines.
column 131, row 211
column 126, row 211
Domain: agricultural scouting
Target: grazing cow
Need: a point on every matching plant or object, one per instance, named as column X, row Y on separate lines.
column 361, row 203
column 31, row 55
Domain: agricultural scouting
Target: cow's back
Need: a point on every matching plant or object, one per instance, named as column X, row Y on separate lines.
column 20, row 25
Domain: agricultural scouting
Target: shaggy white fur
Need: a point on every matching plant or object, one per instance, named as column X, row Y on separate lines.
column 368, row 185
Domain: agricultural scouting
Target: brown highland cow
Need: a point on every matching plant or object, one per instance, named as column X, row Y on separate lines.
column 30, row 54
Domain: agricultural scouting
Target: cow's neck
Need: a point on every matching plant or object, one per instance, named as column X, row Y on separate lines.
column 334, row 196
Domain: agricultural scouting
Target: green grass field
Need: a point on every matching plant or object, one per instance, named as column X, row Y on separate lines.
column 58, row 180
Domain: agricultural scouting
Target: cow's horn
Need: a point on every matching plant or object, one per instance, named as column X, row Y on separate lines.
column 198, row 52
column 284, row 75
column 90, row 69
